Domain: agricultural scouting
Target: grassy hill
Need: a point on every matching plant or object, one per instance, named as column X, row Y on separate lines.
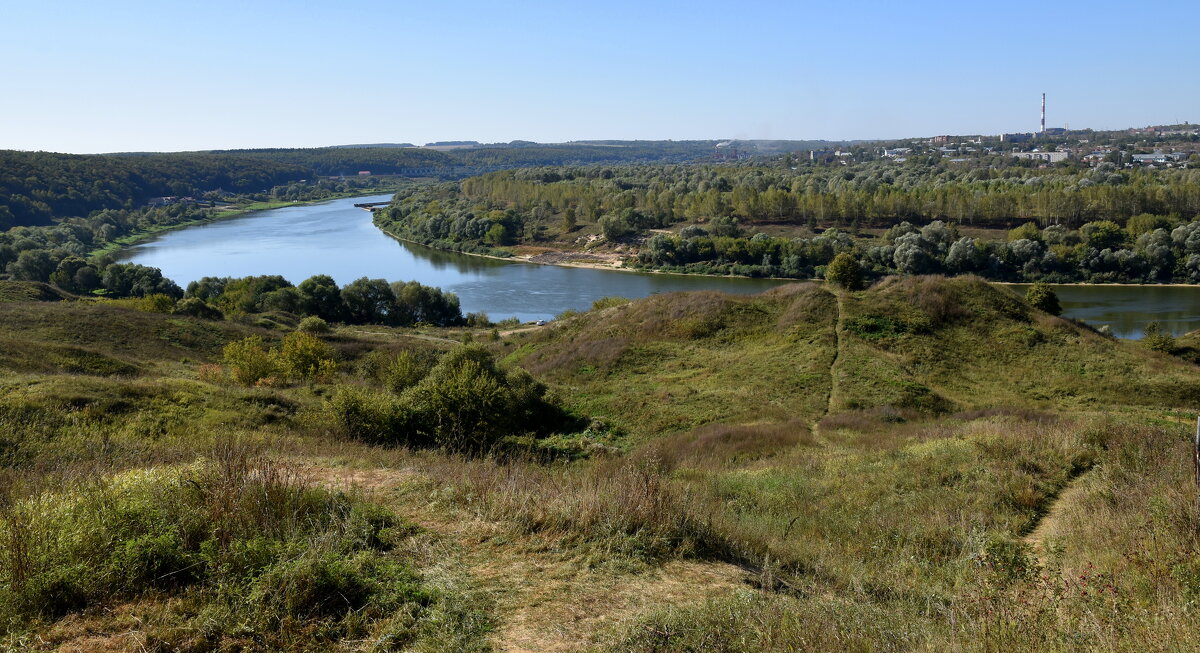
column 928, row 464
column 925, row 344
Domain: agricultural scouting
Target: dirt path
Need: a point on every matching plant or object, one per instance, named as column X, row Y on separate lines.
column 1045, row 528
column 839, row 338
column 547, row 596
column 416, row 336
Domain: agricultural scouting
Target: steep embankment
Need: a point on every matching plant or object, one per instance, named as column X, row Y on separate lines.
column 952, row 344
column 670, row 363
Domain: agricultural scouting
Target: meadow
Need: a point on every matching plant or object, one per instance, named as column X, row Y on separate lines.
column 927, row 464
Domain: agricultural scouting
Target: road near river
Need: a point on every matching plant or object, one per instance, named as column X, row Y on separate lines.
column 337, row 239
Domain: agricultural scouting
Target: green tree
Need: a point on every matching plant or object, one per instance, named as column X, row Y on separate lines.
column 1103, row 234
column 1041, row 297
column 615, row 226
column 845, row 271
column 1027, row 231
column 368, row 301
column 320, row 296
column 33, row 265
column 1154, row 339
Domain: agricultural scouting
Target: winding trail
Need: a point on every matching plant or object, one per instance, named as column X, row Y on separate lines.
column 1046, row 522
column 838, row 339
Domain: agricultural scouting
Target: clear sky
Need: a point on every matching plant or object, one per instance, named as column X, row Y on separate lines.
column 111, row 75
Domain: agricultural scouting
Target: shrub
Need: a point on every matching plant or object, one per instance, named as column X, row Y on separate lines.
column 305, row 356
column 464, row 404
column 1041, row 297
column 212, row 373
column 313, row 324
column 1155, row 340
column 249, row 362
column 196, row 307
column 403, row 371
column 479, row 319
column 157, row 303
column 845, row 272
column 369, row 416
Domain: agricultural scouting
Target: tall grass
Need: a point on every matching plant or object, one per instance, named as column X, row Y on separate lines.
column 249, row 543
column 611, row 508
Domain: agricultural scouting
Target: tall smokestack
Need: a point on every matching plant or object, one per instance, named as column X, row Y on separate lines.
column 1043, row 113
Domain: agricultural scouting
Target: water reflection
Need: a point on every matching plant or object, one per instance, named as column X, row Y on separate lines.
column 1128, row 309
column 337, row 239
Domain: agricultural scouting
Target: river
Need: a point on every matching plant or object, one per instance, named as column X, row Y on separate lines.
column 337, row 239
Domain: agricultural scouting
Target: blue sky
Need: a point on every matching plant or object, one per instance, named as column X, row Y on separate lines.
column 162, row 76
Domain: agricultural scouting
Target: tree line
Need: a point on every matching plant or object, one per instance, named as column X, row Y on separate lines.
column 872, row 194
column 37, row 188
column 363, row 301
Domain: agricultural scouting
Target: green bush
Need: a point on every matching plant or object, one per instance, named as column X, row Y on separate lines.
column 313, row 324
column 157, row 303
column 465, row 403
column 1155, row 340
column 403, row 371
column 303, row 356
column 196, row 307
column 249, row 362
column 1041, row 297
column 369, row 416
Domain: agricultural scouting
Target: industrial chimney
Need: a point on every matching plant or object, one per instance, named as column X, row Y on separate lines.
column 1043, row 114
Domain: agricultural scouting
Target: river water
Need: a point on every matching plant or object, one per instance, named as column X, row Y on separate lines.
column 337, row 239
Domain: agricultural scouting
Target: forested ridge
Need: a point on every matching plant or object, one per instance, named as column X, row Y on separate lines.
column 1053, row 224
column 37, row 187
column 462, row 161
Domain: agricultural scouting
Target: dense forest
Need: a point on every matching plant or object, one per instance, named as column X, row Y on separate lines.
column 1067, row 224
column 37, row 187
column 475, row 159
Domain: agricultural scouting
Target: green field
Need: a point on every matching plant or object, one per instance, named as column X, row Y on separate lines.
column 928, row 464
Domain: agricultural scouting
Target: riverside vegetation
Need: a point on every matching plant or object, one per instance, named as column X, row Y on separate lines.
column 923, row 464
column 999, row 219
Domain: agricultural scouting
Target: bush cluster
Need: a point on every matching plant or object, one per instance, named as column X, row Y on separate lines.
column 464, row 403
column 363, row 301
column 300, row 357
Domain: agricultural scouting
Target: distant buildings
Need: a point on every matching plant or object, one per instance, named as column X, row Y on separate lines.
column 1160, row 158
column 1048, row 157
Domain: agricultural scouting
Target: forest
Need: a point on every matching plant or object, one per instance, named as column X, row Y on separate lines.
column 38, row 187
column 1059, row 224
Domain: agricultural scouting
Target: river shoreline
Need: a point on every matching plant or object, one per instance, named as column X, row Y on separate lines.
column 588, row 266
column 622, row 268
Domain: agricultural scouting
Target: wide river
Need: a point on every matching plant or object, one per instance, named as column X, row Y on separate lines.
column 337, row 239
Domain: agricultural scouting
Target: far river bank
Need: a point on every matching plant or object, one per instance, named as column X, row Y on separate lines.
column 335, row 238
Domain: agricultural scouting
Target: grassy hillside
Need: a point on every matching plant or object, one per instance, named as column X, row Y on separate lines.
column 676, row 361
column 925, row 344
column 928, row 464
